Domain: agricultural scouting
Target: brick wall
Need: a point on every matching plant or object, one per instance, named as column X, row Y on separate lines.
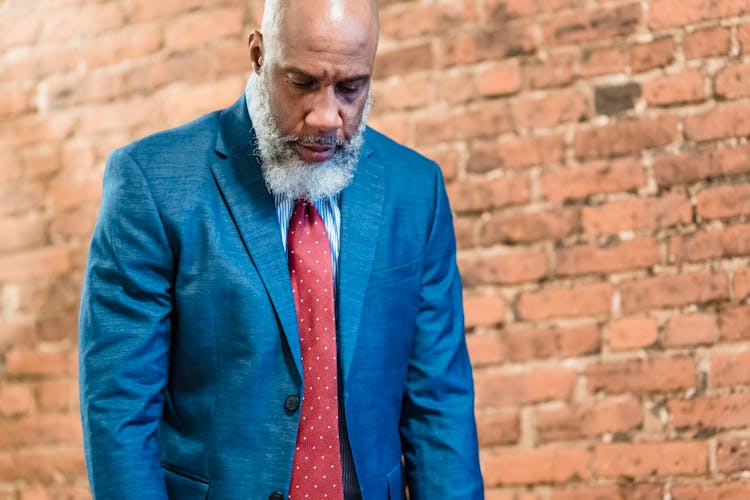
column 597, row 161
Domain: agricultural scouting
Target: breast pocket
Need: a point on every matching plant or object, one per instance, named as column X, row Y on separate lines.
column 389, row 276
column 184, row 486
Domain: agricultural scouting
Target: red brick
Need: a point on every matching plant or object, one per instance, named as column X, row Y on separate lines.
column 517, row 266
column 76, row 223
column 499, row 79
column 19, row 234
column 642, row 213
column 725, row 201
column 617, row 256
column 640, row 460
column 741, row 284
column 743, row 37
column 84, row 20
column 550, row 110
column 634, row 332
column 394, row 125
column 733, row 81
column 694, row 329
column 586, row 26
column 28, row 129
column 733, row 454
column 40, row 430
column 145, row 10
column 489, row 119
column 498, row 427
column 707, row 42
column 670, row 13
column 16, row 399
column 603, row 60
column 129, row 43
column 68, row 194
column 625, row 137
column 399, row 94
column 621, row 491
column 23, row 362
column 465, row 228
column 475, row 196
column 577, row 341
column 17, row 332
column 457, row 86
column 194, row 29
column 404, row 21
column 56, row 395
column 525, row 345
column 693, row 166
column 599, row 176
column 655, row 54
column 498, row 389
column 730, row 368
column 728, row 120
column 733, row 241
column 716, row 412
column 593, row 299
column 669, row 291
column 79, row 491
column 570, row 423
column 519, row 467
column 449, row 160
column 502, row 10
column 483, row 310
column 484, row 349
column 15, row 99
column 685, row 87
column 528, row 344
column 493, row 45
column 43, row 262
column 554, row 71
column 728, row 491
column 517, row 152
column 117, row 115
column 527, row 227
column 42, row 465
column 734, row 323
column 641, row 375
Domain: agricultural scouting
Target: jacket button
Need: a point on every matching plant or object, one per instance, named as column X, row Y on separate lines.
column 276, row 495
column 291, row 403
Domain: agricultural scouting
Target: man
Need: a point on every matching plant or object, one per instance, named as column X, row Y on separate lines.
column 272, row 307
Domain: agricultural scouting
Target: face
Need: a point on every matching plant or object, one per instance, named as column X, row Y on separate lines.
column 317, row 60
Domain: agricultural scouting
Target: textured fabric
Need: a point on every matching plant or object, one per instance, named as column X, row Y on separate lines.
column 189, row 345
column 316, row 471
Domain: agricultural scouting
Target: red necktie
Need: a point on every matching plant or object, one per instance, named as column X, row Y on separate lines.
column 316, row 470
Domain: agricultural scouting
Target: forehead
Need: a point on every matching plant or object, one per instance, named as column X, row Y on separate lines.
column 336, row 41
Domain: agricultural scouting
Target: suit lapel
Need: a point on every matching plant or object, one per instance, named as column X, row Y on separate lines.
column 361, row 213
column 241, row 182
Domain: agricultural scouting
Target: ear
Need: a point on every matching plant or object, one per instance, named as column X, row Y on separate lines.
column 255, row 46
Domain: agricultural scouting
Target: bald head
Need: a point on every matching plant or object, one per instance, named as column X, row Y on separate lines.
column 294, row 24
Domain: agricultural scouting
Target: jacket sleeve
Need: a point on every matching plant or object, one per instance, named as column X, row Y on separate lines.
column 124, row 329
column 438, row 429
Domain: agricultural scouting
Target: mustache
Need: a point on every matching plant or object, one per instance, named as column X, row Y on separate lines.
column 313, row 139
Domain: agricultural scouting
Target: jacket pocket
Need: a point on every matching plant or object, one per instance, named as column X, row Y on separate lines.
column 395, row 484
column 390, row 275
column 184, row 486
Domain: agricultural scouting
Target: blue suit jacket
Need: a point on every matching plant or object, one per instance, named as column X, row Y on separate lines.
column 188, row 333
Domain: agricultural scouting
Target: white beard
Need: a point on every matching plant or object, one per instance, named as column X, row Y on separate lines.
column 283, row 169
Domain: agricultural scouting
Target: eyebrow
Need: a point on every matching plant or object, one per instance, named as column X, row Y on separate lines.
column 305, row 74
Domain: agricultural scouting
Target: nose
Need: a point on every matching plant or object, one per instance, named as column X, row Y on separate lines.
column 325, row 115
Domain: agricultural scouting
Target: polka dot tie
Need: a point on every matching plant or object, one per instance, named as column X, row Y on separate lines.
column 316, row 470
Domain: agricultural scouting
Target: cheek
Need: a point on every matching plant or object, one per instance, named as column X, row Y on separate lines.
column 287, row 113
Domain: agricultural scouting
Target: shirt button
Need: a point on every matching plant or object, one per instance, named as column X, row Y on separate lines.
column 291, row 403
column 276, row 495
